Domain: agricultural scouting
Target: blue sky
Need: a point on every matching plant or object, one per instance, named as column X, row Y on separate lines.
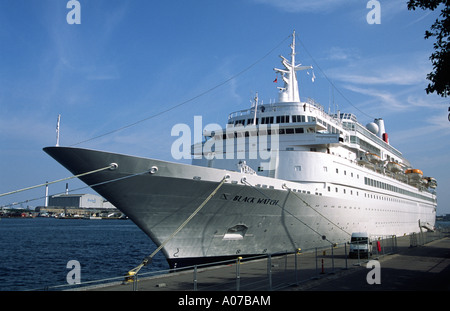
column 130, row 60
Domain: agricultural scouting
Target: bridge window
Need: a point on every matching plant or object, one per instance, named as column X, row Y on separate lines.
column 282, row 119
column 298, row 118
column 266, row 120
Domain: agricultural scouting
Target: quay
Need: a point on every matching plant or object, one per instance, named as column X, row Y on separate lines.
column 406, row 263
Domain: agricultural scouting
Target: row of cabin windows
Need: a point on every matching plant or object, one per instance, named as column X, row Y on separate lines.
column 283, row 119
column 382, row 185
column 297, row 130
column 386, row 186
column 368, row 195
column 274, row 120
column 344, row 190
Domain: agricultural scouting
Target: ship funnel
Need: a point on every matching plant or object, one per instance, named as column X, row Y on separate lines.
column 382, row 131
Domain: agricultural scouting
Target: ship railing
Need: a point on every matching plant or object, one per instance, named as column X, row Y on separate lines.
column 279, row 106
column 376, row 140
column 275, row 271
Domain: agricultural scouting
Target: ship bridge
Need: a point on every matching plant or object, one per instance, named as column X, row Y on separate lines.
column 289, row 108
column 281, row 114
column 300, row 126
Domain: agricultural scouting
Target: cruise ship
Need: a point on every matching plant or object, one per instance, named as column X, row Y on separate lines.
column 277, row 178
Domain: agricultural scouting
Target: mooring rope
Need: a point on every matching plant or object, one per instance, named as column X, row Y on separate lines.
column 112, row 165
column 322, row 215
column 85, row 187
column 148, row 259
column 309, row 227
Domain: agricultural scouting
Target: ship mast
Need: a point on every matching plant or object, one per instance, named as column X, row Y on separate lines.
column 289, row 93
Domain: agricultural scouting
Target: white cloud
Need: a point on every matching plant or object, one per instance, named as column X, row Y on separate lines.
column 296, row 6
column 429, row 132
column 398, row 99
column 380, row 98
column 389, row 9
column 107, row 72
column 337, row 53
column 427, row 101
column 383, row 70
column 397, row 76
column 392, row 82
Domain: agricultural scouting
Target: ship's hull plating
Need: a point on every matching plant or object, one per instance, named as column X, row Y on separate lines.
column 241, row 219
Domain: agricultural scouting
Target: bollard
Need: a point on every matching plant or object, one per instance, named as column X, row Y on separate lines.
column 195, row 277
column 269, row 270
column 285, row 261
column 299, row 250
column 317, row 269
column 396, row 245
column 323, row 271
column 238, row 273
column 346, row 256
column 332, row 257
column 359, row 257
column 135, row 283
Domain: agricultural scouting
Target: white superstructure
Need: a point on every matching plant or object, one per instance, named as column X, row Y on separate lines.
column 330, row 155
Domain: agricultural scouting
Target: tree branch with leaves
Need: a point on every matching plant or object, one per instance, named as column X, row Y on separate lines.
column 440, row 59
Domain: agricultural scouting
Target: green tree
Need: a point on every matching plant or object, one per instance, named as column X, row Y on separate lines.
column 440, row 76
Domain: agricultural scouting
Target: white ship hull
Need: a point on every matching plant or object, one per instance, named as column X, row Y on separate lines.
column 242, row 218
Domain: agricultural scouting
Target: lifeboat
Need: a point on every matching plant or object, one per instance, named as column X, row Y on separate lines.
column 432, row 183
column 414, row 174
column 363, row 161
column 394, row 167
column 413, row 171
column 373, row 158
column 424, row 182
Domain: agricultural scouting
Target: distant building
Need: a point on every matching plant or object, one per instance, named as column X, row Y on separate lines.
column 78, row 205
column 78, row 201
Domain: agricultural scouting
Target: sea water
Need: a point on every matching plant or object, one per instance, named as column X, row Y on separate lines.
column 34, row 252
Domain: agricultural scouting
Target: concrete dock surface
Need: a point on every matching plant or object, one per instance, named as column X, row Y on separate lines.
column 422, row 268
column 401, row 265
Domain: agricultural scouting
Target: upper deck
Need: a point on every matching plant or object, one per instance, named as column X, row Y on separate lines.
column 312, row 115
column 302, row 125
